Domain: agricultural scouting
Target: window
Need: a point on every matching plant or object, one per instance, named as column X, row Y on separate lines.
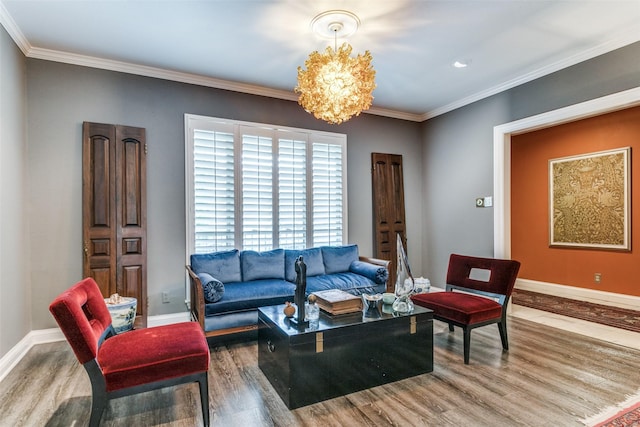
column 259, row 187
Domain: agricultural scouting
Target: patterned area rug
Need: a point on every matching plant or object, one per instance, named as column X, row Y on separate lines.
column 626, row 414
column 598, row 313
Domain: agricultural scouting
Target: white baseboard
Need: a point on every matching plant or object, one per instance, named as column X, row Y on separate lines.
column 630, row 302
column 167, row 319
column 43, row 336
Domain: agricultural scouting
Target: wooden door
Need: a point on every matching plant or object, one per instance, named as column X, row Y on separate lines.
column 98, row 205
column 114, row 210
column 131, row 219
column 388, row 208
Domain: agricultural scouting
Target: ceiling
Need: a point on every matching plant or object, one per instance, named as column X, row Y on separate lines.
column 255, row 46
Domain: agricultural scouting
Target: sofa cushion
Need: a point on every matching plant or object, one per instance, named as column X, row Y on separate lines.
column 224, row 266
column 338, row 259
column 153, row 354
column 376, row 273
column 349, row 282
column 459, row 307
column 312, row 257
column 262, row 265
column 251, row 295
column 212, row 287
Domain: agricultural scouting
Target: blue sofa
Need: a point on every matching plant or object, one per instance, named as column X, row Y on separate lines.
column 227, row 287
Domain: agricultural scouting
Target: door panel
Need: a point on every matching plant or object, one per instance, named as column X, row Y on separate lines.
column 388, row 208
column 98, row 215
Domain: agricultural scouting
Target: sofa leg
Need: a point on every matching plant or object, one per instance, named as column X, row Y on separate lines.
column 450, row 327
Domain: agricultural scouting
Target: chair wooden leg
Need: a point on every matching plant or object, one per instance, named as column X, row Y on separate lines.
column 502, row 327
column 203, row 383
column 467, row 344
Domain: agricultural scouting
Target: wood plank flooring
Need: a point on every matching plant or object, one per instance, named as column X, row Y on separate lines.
column 549, row 377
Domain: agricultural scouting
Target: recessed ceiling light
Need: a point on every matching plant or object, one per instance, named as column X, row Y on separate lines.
column 461, row 64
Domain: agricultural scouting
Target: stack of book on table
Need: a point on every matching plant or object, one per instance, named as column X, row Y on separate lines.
column 335, row 301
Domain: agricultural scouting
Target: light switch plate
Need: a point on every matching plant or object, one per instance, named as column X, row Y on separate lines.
column 488, row 202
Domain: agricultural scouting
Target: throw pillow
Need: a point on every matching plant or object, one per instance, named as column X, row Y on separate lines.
column 373, row 272
column 338, row 259
column 212, row 287
column 312, row 257
column 262, row 265
column 224, row 265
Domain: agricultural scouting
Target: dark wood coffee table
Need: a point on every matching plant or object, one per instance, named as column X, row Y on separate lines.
column 339, row 355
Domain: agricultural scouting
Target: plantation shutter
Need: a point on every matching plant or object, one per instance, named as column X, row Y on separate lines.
column 213, row 187
column 257, row 187
column 257, row 190
column 327, row 194
column 292, row 195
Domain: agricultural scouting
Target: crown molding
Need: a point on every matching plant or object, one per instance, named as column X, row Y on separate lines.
column 143, row 70
column 622, row 39
column 14, row 31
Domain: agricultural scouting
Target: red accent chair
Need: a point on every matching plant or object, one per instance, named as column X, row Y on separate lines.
column 131, row 362
column 476, row 304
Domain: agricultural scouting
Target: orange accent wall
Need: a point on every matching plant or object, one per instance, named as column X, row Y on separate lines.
column 530, row 154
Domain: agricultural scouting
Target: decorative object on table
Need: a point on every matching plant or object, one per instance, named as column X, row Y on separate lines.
column 301, row 290
column 421, row 285
column 371, row 301
column 336, row 301
column 388, row 298
column 289, row 310
column 590, row 200
column 404, row 281
column 312, row 310
column 335, row 86
column 123, row 312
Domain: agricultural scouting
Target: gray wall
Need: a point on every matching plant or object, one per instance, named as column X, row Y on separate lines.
column 15, row 283
column 60, row 97
column 458, row 151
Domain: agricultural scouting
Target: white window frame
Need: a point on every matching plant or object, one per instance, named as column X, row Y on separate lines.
column 193, row 122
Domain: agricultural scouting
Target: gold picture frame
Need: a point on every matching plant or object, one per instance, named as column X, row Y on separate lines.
column 590, row 200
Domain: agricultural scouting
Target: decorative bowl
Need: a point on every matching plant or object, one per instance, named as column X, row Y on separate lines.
column 123, row 313
column 388, row 298
column 371, row 301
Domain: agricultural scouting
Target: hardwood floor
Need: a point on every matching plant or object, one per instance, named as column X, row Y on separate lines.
column 549, row 377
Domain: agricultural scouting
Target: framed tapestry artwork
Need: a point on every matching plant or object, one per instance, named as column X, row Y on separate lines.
column 590, row 202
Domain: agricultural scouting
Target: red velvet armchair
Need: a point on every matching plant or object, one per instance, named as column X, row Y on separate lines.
column 132, row 362
column 480, row 302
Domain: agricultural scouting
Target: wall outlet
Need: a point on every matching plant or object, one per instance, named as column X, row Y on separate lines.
column 165, row 297
column 597, row 277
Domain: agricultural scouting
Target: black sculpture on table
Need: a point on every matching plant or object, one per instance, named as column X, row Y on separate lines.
column 301, row 289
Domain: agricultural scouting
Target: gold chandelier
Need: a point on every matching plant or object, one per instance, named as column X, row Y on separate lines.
column 336, row 86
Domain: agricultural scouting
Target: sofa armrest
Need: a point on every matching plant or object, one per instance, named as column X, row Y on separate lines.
column 376, row 261
column 196, row 308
